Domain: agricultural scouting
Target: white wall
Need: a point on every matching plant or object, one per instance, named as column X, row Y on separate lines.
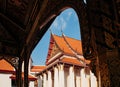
column 31, row 84
column 5, row 80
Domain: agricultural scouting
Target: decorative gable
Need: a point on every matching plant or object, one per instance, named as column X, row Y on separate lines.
column 53, row 49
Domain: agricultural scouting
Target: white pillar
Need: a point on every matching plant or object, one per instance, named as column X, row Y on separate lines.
column 40, row 81
column 77, row 82
column 93, row 80
column 88, row 80
column 49, row 79
column 56, row 79
column 83, row 78
column 77, row 76
column 71, row 77
column 61, row 76
column 44, row 80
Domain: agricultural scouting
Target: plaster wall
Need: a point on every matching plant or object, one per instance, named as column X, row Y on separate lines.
column 5, row 80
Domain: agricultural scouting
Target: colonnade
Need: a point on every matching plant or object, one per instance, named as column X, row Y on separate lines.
column 56, row 78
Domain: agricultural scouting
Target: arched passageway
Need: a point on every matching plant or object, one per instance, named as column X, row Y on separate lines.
column 26, row 22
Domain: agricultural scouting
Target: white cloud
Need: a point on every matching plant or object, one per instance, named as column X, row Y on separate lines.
column 59, row 23
column 55, row 24
column 63, row 23
column 69, row 15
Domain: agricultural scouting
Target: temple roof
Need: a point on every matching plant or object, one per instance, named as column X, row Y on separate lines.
column 67, row 46
column 63, row 49
column 62, row 44
column 6, row 67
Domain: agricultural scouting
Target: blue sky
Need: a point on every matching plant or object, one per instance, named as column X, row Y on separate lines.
column 68, row 22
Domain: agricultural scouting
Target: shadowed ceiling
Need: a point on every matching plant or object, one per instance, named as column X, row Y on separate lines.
column 16, row 19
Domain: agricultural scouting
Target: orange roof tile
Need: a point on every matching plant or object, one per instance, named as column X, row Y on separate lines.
column 62, row 44
column 37, row 68
column 6, row 67
column 76, row 45
column 30, row 77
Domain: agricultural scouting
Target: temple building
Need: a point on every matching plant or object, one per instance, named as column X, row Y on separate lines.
column 8, row 75
column 65, row 65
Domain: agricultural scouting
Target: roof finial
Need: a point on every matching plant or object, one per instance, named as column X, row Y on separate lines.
column 62, row 31
column 51, row 31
